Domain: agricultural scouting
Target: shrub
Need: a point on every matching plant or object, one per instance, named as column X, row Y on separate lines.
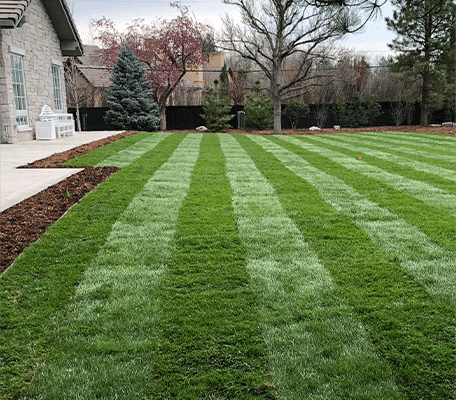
column 358, row 112
column 296, row 110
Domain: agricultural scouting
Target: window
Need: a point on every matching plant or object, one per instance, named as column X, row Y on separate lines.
column 20, row 98
column 57, row 88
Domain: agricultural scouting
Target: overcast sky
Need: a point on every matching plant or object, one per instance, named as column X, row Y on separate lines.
column 373, row 40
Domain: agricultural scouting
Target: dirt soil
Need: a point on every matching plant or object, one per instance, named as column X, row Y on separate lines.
column 24, row 223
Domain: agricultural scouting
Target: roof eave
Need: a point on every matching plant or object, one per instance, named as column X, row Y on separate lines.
column 59, row 13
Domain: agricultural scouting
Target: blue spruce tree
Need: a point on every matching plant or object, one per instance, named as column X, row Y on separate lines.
column 129, row 95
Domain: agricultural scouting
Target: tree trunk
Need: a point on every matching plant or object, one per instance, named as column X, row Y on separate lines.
column 78, row 119
column 162, row 112
column 426, row 74
column 276, row 84
column 277, row 115
column 424, row 102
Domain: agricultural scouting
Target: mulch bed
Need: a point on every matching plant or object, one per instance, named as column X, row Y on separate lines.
column 26, row 221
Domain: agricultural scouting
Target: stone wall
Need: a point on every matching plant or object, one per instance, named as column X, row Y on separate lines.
column 38, row 39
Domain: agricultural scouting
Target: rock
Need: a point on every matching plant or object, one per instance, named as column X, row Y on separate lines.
column 434, row 125
column 314, row 128
column 336, row 127
column 448, row 124
column 202, row 129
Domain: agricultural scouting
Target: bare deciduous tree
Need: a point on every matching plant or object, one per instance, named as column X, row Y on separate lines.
column 79, row 93
column 275, row 30
column 239, row 71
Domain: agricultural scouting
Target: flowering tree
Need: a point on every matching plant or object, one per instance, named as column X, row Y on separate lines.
column 167, row 49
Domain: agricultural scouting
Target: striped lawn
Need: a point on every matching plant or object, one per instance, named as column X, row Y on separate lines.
column 318, row 349
column 443, row 148
column 427, row 262
column 38, row 288
column 109, row 332
column 412, row 205
column 127, row 156
column 408, row 166
column 370, row 166
column 210, row 343
column 236, row 267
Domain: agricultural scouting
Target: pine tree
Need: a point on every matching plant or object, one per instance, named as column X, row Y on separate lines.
column 217, row 109
column 259, row 109
column 426, row 43
column 129, row 95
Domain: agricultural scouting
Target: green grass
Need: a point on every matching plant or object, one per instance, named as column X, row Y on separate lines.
column 221, row 267
column 38, row 289
column 96, row 157
column 105, row 345
column 210, row 344
column 419, row 344
column 318, row 349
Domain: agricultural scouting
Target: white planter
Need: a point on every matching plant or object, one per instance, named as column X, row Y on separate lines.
column 45, row 130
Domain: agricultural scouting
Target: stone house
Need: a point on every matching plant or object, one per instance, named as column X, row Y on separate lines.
column 35, row 35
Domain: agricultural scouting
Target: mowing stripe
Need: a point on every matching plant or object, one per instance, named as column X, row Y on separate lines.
column 106, row 341
column 433, row 152
column 437, row 142
column 405, row 139
column 317, row 350
column 436, row 223
column 425, row 170
column 411, row 330
column 412, row 187
column 94, row 157
column 40, row 284
column 210, row 345
column 429, row 263
column 392, row 149
column 133, row 152
column 420, row 137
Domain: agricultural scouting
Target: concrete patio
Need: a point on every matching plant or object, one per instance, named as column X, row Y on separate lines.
column 19, row 184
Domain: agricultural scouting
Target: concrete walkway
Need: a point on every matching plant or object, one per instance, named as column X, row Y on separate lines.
column 19, row 184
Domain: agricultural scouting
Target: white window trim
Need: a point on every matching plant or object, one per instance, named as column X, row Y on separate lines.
column 59, row 66
column 15, row 51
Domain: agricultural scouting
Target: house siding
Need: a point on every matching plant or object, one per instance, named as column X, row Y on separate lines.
column 41, row 44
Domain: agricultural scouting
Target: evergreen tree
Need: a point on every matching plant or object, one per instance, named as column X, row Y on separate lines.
column 129, row 95
column 426, row 43
column 217, row 109
column 259, row 109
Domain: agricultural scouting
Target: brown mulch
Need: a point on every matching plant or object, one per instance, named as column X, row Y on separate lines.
column 443, row 130
column 26, row 221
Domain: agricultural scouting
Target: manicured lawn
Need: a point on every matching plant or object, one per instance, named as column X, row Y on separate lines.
column 237, row 267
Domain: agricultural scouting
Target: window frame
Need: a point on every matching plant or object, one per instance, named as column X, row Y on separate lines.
column 19, row 87
column 57, row 85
